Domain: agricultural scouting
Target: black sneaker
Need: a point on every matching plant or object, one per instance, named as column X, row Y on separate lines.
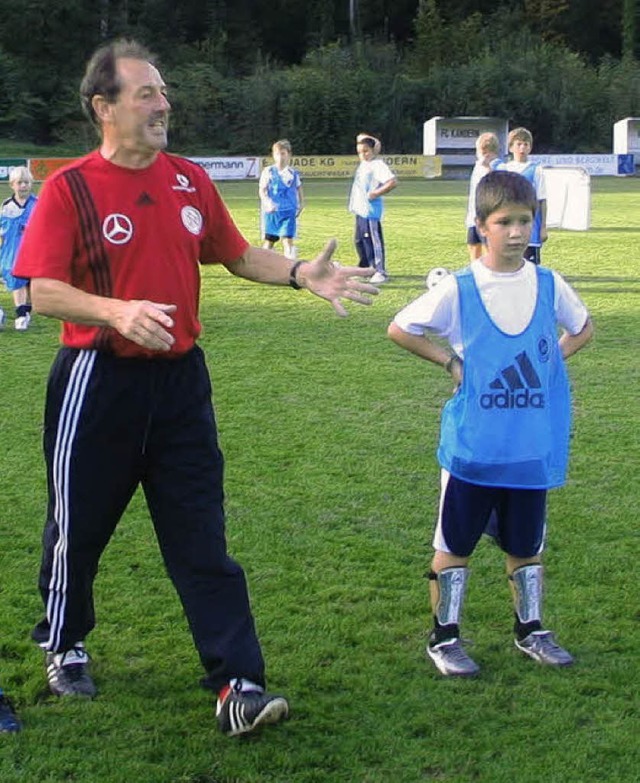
column 67, row 673
column 241, row 712
column 8, row 719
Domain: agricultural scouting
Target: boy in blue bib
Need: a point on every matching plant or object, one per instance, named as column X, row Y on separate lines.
column 504, row 437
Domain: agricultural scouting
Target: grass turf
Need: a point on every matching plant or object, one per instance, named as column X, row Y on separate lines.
column 329, row 433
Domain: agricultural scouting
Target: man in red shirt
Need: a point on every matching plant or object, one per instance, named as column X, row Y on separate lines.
column 113, row 250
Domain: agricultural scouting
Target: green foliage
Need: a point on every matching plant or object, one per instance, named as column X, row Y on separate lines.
column 245, row 72
column 329, row 432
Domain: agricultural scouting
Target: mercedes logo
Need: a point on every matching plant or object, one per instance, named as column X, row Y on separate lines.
column 117, row 229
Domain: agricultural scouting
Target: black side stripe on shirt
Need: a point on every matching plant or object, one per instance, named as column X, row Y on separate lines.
column 91, row 233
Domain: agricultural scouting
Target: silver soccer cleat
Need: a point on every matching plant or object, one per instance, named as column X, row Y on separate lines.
column 542, row 647
column 451, row 659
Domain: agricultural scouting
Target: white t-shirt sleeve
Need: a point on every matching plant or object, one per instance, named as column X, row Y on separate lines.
column 382, row 172
column 435, row 311
column 571, row 312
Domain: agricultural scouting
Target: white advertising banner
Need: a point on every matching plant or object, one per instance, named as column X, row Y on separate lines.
column 230, row 168
column 595, row 165
column 568, row 197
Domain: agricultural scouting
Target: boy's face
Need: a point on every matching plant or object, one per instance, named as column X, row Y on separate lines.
column 21, row 188
column 485, row 155
column 365, row 152
column 520, row 149
column 507, row 232
column 281, row 157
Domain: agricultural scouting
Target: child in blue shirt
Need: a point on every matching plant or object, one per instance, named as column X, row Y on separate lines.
column 14, row 215
column 504, row 437
column 282, row 199
column 373, row 180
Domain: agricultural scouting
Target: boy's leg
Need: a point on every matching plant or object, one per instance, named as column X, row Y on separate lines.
column 378, row 260
column 521, row 520
column 463, row 512
column 362, row 243
column 290, row 250
column 20, row 293
column 474, row 246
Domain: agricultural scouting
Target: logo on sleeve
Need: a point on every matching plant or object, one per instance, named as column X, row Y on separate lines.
column 191, row 220
column 183, row 184
column 117, row 228
column 516, row 387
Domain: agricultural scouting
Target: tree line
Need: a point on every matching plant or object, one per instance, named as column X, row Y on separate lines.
column 244, row 72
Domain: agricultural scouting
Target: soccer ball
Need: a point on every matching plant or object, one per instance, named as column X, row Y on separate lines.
column 1, row 318
column 435, row 275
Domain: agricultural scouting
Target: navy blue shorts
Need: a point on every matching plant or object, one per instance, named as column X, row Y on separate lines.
column 516, row 518
column 532, row 253
column 473, row 237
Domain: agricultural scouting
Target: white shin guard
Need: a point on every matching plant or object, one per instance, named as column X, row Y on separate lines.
column 452, row 586
column 527, row 584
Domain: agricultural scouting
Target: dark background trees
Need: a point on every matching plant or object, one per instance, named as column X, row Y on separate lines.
column 243, row 72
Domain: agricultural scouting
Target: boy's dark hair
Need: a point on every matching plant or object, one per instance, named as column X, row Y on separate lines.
column 101, row 78
column 498, row 188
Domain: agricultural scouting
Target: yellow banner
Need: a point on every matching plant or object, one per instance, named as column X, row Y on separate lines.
column 344, row 166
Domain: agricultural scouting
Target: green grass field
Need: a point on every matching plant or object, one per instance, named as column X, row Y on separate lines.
column 329, row 431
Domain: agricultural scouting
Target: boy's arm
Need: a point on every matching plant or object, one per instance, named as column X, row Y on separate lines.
column 390, row 184
column 300, row 200
column 427, row 349
column 572, row 343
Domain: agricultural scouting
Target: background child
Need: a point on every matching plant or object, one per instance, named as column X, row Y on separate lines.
column 14, row 215
column 281, row 198
column 373, row 178
column 520, row 142
column 504, row 437
column 487, row 150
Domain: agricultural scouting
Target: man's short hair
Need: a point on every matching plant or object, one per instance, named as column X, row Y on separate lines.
column 499, row 188
column 101, row 76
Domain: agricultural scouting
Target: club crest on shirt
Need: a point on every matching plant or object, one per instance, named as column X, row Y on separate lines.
column 191, row 220
column 117, row 228
column 544, row 349
column 183, row 184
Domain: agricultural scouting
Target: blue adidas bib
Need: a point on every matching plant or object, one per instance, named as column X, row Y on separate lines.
column 508, row 424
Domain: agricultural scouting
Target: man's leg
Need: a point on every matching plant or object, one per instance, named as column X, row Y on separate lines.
column 87, row 444
column 183, row 484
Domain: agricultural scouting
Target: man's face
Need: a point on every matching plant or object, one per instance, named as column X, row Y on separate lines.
column 139, row 119
column 365, row 152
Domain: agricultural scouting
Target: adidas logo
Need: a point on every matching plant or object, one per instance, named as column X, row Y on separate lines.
column 144, row 199
column 515, row 387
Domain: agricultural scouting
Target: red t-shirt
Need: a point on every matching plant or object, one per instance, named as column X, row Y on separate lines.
column 130, row 234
